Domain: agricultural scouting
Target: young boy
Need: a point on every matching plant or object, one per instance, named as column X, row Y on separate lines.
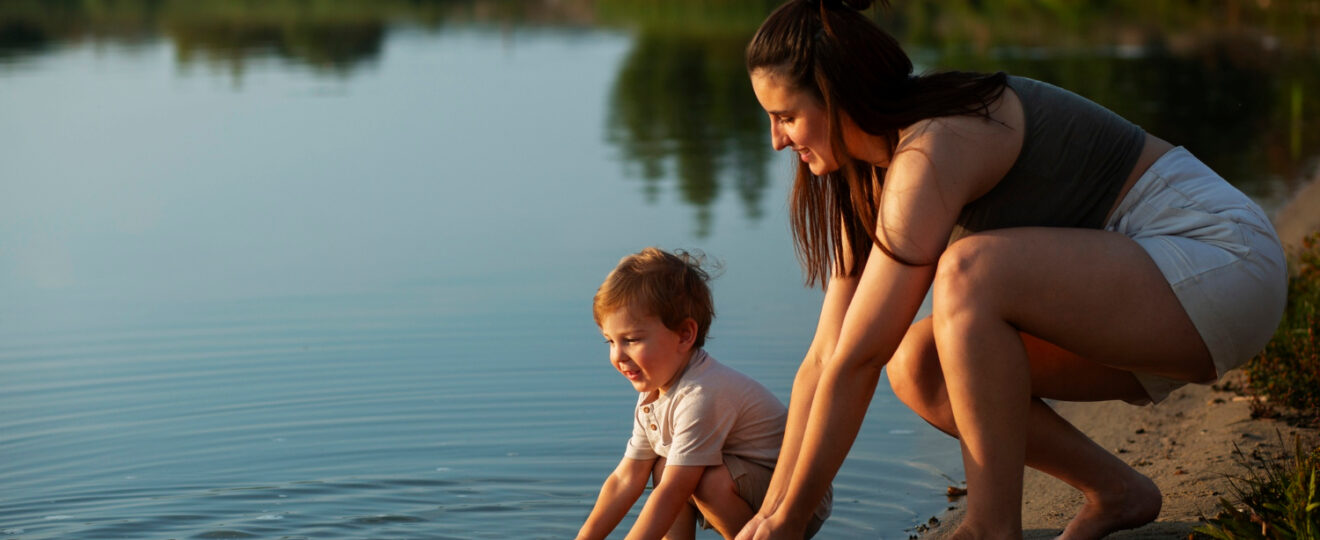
column 707, row 435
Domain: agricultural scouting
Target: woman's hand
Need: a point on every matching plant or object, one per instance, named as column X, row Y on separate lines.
column 769, row 528
column 748, row 531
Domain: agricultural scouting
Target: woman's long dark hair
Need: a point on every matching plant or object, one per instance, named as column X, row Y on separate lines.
column 835, row 53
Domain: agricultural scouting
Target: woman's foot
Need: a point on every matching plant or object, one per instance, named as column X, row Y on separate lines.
column 1135, row 503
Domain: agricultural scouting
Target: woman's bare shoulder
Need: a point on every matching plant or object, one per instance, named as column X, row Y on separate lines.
column 973, row 152
column 939, row 166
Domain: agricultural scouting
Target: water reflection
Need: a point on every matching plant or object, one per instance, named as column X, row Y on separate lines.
column 1230, row 82
column 682, row 102
column 327, row 45
column 234, row 295
column 331, row 37
column 681, row 106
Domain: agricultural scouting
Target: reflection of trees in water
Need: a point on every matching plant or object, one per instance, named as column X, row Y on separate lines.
column 330, row 36
column 684, row 102
column 17, row 38
column 1230, row 80
column 29, row 27
column 330, row 46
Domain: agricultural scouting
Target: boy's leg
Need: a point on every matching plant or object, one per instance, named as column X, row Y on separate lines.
column 722, row 501
column 685, row 525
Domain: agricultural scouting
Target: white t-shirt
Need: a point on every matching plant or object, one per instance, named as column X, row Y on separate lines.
column 711, row 411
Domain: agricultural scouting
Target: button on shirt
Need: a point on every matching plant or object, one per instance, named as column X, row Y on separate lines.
column 712, row 410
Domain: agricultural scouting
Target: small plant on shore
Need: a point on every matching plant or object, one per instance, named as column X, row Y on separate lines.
column 1278, row 499
column 1287, row 372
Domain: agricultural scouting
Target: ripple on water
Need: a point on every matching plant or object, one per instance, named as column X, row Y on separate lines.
column 230, row 437
column 386, row 518
column 224, row 533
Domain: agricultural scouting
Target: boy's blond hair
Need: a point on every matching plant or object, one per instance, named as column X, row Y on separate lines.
column 670, row 286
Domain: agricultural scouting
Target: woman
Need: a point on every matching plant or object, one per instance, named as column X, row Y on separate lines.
column 1071, row 255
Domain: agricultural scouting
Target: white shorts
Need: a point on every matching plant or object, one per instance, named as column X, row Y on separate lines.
column 1218, row 251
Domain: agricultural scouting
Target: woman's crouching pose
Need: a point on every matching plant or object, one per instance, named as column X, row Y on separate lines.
column 1070, row 256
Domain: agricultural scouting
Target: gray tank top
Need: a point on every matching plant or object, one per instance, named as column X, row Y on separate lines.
column 1075, row 158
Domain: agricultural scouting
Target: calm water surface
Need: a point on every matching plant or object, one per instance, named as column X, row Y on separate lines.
column 283, row 305
column 253, row 286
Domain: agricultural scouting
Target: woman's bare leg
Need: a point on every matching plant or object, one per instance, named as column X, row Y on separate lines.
column 1117, row 496
column 1092, row 292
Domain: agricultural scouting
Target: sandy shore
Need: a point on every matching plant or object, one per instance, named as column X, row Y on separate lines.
column 1185, row 444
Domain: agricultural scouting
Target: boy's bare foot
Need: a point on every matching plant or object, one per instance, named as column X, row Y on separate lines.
column 1136, row 503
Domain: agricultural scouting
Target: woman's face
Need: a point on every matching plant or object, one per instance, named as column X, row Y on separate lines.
column 797, row 120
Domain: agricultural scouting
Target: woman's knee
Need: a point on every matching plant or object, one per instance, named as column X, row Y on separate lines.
column 968, row 275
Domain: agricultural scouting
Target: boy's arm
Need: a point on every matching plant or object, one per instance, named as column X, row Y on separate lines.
column 617, row 495
column 676, row 487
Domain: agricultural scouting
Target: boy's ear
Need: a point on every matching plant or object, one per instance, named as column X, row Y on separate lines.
column 687, row 332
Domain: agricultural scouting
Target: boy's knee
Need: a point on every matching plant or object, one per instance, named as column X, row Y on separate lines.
column 716, row 483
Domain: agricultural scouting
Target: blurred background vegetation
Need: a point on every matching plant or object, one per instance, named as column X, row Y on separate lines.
column 1233, row 80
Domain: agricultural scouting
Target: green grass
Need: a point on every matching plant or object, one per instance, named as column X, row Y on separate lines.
column 1278, row 499
column 1287, row 372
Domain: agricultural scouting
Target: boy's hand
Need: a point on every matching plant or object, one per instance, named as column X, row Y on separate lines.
column 617, row 495
column 677, row 484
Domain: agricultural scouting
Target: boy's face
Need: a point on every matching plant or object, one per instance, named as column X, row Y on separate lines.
column 644, row 350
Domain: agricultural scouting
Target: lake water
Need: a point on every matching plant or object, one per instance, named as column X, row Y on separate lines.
column 255, row 284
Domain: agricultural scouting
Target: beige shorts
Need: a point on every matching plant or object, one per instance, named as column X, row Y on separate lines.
column 1219, row 253
column 753, row 480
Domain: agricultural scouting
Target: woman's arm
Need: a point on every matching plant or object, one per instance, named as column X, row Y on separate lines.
column 887, row 298
column 617, row 495
column 838, row 294
column 939, row 166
